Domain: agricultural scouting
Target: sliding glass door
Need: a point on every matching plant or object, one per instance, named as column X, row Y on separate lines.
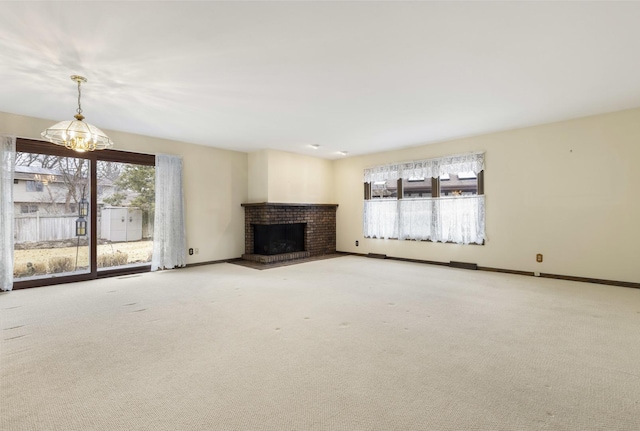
column 80, row 216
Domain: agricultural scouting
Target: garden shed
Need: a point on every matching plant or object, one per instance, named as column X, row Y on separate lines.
column 120, row 224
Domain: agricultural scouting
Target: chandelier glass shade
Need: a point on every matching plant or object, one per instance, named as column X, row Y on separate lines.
column 76, row 134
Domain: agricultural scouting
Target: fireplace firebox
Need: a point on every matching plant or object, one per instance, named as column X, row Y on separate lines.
column 273, row 239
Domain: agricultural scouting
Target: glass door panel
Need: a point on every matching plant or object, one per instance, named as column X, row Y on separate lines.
column 126, row 199
column 52, row 223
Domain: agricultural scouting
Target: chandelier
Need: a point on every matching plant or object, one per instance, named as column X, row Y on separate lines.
column 76, row 134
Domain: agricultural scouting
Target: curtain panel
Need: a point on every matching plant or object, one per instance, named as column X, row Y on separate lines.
column 7, row 158
column 418, row 219
column 169, row 239
column 428, row 168
column 381, row 218
column 458, row 219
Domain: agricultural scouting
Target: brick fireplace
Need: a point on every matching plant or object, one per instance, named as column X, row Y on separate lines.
column 319, row 222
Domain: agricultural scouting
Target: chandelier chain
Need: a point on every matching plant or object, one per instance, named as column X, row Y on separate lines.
column 79, row 110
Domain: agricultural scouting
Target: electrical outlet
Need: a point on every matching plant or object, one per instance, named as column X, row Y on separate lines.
column 357, row 243
column 539, row 257
column 197, row 250
column 190, row 252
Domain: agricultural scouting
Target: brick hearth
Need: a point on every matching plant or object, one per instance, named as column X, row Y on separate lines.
column 320, row 232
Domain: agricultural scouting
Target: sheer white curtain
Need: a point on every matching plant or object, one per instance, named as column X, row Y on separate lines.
column 417, row 219
column 381, row 218
column 459, row 219
column 169, row 247
column 7, row 158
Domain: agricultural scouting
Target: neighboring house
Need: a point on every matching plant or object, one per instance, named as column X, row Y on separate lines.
column 461, row 184
column 43, row 190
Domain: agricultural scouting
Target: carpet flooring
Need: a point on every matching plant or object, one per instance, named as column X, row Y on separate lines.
column 343, row 344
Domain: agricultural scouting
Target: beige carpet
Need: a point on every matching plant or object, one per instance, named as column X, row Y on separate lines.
column 343, row 344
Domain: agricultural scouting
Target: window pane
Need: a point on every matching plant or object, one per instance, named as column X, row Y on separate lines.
column 384, row 189
column 34, row 186
column 460, row 184
column 126, row 199
column 46, row 194
column 416, row 188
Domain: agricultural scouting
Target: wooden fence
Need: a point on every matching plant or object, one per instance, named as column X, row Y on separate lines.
column 36, row 227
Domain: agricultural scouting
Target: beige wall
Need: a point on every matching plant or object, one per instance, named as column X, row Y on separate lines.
column 568, row 190
column 215, row 184
column 258, row 176
column 279, row 176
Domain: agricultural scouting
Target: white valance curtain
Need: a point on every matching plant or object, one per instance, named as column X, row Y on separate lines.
column 169, row 239
column 458, row 219
column 7, row 158
column 428, row 168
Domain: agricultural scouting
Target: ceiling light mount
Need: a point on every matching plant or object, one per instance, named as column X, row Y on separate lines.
column 77, row 135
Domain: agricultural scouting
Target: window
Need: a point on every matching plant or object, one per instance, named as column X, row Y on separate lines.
column 126, row 203
column 26, row 209
column 416, row 187
column 34, row 186
column 384, row 189
column 434, row 200
column 459, row 184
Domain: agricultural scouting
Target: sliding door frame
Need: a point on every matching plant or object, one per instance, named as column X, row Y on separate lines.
column 41, row 147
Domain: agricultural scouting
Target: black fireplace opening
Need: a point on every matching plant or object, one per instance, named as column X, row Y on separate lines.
column 270, row 239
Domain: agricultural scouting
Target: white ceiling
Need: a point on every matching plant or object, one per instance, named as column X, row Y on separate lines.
column 354, row 76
